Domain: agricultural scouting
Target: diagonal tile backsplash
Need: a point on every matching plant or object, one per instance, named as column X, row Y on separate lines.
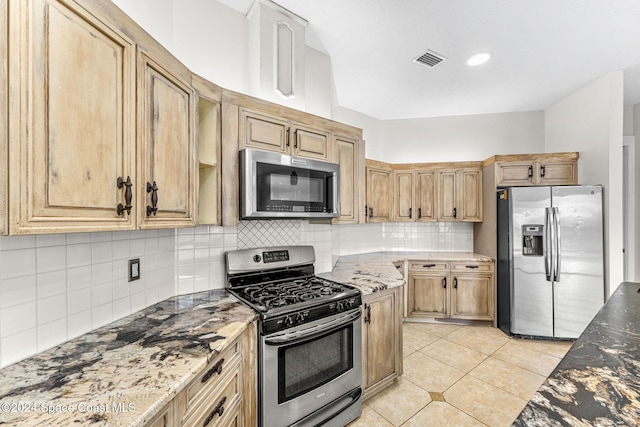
column 263, row 233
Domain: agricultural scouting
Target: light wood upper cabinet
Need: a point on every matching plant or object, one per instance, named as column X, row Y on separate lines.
column 72, row 120
column 349, row 154
column 379, row 187
column 269, row 132
column 208, row 137
column 381, row 340
column 425, row 196
column 535, row 169
column 4, row 114
column 167, row 145
column 403, row 195
column 460, row 194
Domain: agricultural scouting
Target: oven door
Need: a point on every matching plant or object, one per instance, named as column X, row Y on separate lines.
column 312, row 373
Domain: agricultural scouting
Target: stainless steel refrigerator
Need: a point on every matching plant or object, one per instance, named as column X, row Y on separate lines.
column 550, row 273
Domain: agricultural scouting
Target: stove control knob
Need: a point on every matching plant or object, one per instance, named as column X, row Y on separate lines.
column 340, row 306
column 257, row 258
column 288, row 320
column 300, row 317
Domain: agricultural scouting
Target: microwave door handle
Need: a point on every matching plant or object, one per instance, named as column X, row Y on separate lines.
column 548, row 245
column 292, row 337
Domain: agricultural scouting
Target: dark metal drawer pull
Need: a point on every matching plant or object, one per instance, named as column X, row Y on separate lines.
column 217, row 410
column 472, row 266
column 215, row 369
column 428, row 265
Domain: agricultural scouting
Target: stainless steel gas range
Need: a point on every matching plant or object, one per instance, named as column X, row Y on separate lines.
column 309, row 337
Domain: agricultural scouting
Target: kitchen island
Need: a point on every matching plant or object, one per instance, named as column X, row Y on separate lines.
column 123, row 373
column 598, row 380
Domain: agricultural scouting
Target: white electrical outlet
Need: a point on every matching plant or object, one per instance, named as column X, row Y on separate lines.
column 134, row 269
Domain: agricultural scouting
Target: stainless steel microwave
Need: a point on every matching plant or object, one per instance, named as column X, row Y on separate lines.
column 274, row 185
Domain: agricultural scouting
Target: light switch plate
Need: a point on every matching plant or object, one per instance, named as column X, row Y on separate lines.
column 134, row 269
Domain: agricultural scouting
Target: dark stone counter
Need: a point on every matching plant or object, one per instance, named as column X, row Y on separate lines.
column 598, row 381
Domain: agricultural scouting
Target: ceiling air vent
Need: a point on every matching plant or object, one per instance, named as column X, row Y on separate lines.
column 430, row 59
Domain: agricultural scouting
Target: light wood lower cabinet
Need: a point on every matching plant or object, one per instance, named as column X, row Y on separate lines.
column 457, row 290
column 381, row 340
column 223, row 394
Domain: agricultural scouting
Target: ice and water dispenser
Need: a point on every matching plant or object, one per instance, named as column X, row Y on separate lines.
column 532, row 239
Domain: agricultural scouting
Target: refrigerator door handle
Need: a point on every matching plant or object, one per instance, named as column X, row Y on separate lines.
column 557, row 257
column 548, row 239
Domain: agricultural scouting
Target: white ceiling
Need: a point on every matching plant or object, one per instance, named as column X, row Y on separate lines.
column 542, row 50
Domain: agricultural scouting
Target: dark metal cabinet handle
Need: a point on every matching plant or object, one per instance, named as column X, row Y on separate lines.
column 419, row 212
column 127, row 196
column 455, row 212
column 472, row 266
column 153, row 189
column 530, row 172
column 455, row 282
column 288, row 135
column 428, row 265
column 219, row 409
column 410, row 213
column 542, row 171
column 295, row 139
column 370, row 212
column 444, row 280
column 366, row 212
column 367, row 317
column 215, row 369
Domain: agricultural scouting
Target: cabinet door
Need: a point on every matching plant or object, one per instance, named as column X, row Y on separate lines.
column 426, row 201
column 558, row 173
column 472, row 297
column 310, row 142
column 164, row 418
column 470, row 194
column 378, row 195
column 515, row 174
column 447, row 195
column 72, row 120
column 346, row 154
column 382, row 339
column 262, row 131
column 4, row 125
column 167, row 145
column 428, row 295
column 403, row 190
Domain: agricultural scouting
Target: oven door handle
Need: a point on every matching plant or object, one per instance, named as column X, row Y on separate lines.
column 291, row 337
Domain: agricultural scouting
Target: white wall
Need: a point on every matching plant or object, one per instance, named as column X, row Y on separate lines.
column 155, row 16
column 590, row 121
column 461, row 138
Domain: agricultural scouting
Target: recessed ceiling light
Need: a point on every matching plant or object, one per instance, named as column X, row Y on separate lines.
column 478, row 59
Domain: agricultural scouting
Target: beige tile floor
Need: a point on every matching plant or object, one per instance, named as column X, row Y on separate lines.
column 462, row 376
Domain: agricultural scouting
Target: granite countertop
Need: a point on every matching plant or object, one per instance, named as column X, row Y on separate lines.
column 125, row 372
column 598, row 380
column 375, row 271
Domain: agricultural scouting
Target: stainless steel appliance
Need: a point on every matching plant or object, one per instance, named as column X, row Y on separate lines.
column 550, row 274
column 310, row 335
column 274, row 185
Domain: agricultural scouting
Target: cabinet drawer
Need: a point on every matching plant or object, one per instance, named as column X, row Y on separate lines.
column 213, row 409
column 471, row 267
column 203, row 385
column 428, row 266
